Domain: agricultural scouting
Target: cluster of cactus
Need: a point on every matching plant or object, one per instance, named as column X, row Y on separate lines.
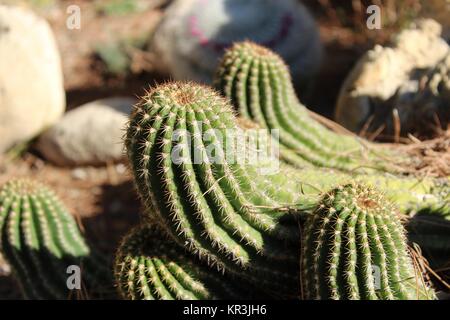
column 355, row 248
column 219, row 210
column 215, row 226
column 40, row 240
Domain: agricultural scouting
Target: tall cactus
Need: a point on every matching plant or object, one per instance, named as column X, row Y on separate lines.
column 355, row 248
column 40, row 240
column 151, row 267
column 258, row 83
column 217, row 207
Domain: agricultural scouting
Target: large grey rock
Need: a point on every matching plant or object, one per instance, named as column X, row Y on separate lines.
column 192, row 36
column 386, row 75
column 31, row 83
column 88, row 135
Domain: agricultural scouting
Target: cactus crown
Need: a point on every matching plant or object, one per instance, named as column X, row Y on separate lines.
column 355, row 248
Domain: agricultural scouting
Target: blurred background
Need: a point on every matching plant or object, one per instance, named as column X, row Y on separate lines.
column 109, row 53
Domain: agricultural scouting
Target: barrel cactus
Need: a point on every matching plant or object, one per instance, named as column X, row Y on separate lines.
column 212, row 204
column 151, row 267
column 194, row 33
column 41, row 240
column 355, row 248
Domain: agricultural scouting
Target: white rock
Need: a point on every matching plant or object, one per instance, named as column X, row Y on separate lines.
column 377, row 77
column 194, row 33
column 88, row 135
column 31, row 82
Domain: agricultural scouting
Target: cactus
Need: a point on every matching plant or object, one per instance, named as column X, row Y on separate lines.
column 151, row 267
column 40, row 240
column 210, row 205
column 354, row 233
column 223, row 210
column 194, row 33
column 258, row 83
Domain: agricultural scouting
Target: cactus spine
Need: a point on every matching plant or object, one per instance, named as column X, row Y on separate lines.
column 258, row 83
column 40, row 240
column 208, row 204
column 353, row 232
column 151, row 267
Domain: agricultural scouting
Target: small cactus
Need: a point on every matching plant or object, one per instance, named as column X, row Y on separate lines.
column 151, row 267
column 209, row 204
column 40, row 240
column 355, row 248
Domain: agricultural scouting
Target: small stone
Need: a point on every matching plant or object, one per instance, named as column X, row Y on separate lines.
column 121, row 168
column 79, row 174
column 88, row 135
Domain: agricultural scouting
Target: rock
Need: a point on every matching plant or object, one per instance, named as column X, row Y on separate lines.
column 121, row 168
column 384, row 75
column 79, row 174
column 88, row 135
column 192, row 36
column 32, row 95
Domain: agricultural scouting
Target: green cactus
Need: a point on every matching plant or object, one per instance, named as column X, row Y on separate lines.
column 208, row 204
column 40, row 240
column 258, row 83
column 226, row 211
column 151, row 267
column 353, row 233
